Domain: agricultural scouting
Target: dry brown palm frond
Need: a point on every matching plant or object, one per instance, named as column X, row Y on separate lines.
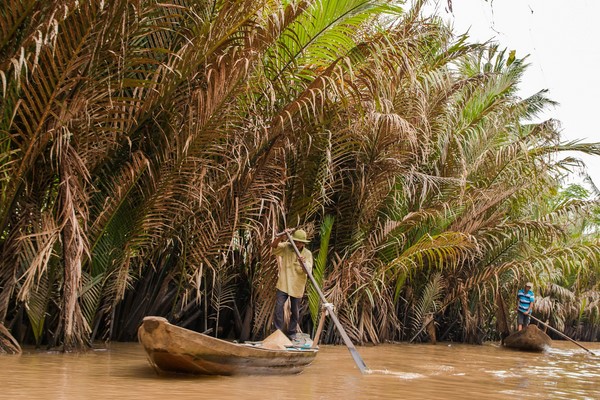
column 35, row 251
column 568, row 258
column 264, row 292
column 21, row 44
column 73, row 219
column 591, row 306
column 40, row 111
column 572, row 209
column 544, row 305
column 8, row 344
column 169, row 198
column 462, row 284
column 25, row 256
column 222, row 294
column 119, row 187
column 509, row 238
column 483, row 210
column 560, row 293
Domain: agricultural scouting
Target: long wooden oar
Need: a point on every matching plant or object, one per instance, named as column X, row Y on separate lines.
column 561, row 334
column 357, row 358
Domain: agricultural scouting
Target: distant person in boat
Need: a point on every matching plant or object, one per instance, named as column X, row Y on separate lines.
column 292, row 277
column 525, row 298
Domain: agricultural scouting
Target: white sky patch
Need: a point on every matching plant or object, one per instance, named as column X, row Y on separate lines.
column 561, row 39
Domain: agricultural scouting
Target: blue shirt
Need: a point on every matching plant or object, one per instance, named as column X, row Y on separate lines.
column 525, row 299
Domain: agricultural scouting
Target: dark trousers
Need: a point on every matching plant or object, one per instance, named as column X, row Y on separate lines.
column 522, row 319
column 294, row 317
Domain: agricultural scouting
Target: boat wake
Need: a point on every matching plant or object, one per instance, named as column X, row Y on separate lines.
column 401, row 375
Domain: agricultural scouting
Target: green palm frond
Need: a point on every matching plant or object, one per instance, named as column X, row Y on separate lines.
column 36, row 307
column 496, row 240
column 323, row 32
column 429, row 302
column 91, row 296
column 320, row 266
column 447, row 250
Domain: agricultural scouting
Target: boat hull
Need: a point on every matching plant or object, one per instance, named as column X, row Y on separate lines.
column 174, row 349
column 530, row 338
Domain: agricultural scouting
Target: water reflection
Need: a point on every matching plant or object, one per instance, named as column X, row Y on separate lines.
column 443, row 371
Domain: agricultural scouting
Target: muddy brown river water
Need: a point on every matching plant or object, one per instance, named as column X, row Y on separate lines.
column 403, row 371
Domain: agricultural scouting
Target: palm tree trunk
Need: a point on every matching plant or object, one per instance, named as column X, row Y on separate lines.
column 501, row 316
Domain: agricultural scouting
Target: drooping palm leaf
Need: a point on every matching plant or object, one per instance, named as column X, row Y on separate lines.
column 320, row 266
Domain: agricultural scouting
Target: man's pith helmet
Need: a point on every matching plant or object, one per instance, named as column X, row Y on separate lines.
column 299, row 235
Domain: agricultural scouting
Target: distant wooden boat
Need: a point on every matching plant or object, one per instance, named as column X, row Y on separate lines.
column 174, row 349
column 530, row 338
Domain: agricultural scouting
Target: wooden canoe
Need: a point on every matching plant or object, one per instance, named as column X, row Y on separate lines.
column 174, row 349
column 530, row 338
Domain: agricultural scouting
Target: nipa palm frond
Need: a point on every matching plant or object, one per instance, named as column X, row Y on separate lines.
column 429, row 302
column 320, row 266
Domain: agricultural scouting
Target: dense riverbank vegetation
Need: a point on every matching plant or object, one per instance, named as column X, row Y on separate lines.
column 149, row 151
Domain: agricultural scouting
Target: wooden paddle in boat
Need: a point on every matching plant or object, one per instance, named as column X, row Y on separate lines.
column 357, row 358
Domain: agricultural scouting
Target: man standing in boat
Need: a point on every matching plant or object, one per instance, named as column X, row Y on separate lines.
column 292, row 277
column 525, row 298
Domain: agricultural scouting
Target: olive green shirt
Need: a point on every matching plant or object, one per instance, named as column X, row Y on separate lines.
column 292, row 278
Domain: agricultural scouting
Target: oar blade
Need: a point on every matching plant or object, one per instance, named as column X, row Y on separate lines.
column 353, row 352
column 358, row 360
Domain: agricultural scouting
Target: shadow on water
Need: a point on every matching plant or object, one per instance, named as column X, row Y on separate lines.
column 399, row 371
